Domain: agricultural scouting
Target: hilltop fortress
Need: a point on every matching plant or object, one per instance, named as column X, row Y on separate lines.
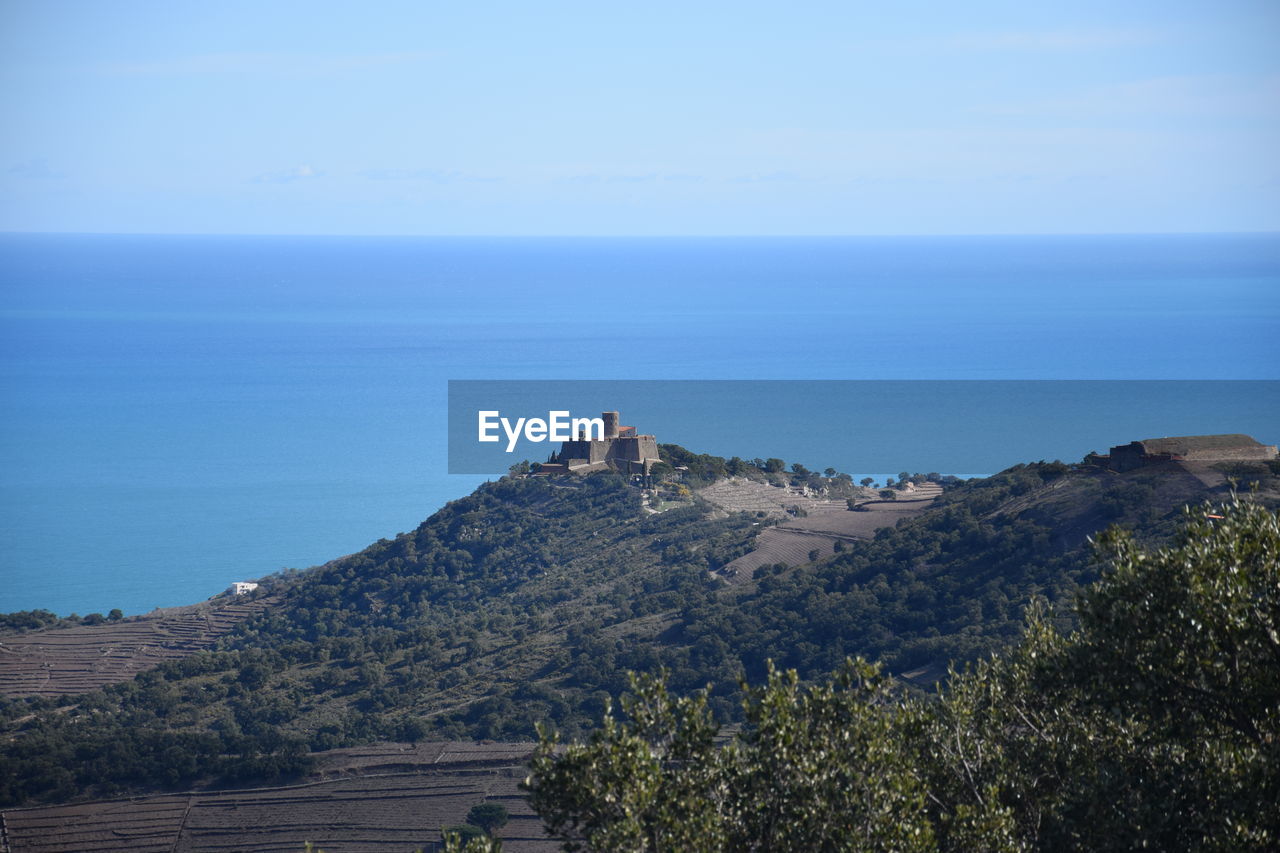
column 620, row 449
column 1233, row 447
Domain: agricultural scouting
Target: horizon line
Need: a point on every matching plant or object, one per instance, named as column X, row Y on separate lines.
column 634, row 236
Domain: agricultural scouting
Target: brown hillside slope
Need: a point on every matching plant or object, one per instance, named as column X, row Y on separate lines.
column 824, row 523
column 62, row 661
column 1086, row 502
column 388, row 798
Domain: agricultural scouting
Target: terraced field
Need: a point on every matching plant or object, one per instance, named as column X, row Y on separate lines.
column 61, row 661
column 742, row 495
column 390, row 798
column 794, row 542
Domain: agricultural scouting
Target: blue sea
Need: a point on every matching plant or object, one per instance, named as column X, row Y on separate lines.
column 177, row 413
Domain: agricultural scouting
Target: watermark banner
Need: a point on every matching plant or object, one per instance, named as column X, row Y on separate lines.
column 855, row 426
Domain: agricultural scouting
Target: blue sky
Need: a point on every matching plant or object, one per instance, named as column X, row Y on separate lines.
column 655, row 118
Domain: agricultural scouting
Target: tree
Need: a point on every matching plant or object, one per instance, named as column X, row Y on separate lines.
column 866, row 481
column 412, row 729
column 115, row 615
column 1182, row 644
column 1155, row 725
column 818, row 768
column 1201, row 619
column 773, row 465
column 823, row 768
column 651, row 783
column 488, row 816
column 829, row 473
column 465, row 838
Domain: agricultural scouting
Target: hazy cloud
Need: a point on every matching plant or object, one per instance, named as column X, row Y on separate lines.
column 265, row 63
column 606, row 178
column 631, row 178
column 36, row 170
column 1036, row 41
column 1189, row 96
column 777, row 177
column 285, row 176
column 434, row 176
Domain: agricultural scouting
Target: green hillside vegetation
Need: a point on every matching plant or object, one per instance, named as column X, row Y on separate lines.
column 1155, row 725
column 704, row 469
column 528, row 600
column 33, row 620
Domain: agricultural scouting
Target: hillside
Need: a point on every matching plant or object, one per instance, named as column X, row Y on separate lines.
column 1152, row 725
column 821, row 526
column 390, row 798
column 80, row 658
column 529, row 600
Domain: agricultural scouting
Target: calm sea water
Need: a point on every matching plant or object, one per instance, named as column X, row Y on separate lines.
column 177, row 413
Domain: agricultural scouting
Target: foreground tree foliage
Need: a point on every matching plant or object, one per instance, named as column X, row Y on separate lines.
column 815, row 765
column 1156, row 724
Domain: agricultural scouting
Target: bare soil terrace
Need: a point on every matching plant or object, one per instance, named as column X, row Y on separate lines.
column 819, row 523
column 388, row 798
column 63, row 661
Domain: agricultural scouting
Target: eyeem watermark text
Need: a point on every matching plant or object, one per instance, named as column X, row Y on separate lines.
column 558, row 426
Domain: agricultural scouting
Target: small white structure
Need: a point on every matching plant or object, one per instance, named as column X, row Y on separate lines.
column 241, row 588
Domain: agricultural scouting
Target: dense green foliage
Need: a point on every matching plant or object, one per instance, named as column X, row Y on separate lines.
column 34, row 620
column 30, row 620
column 700, row 469
column 528, row 601
column 1155, row 725
column 488, row 816
column 814, row 765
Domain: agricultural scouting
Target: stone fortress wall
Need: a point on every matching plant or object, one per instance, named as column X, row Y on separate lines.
column 620, row 448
